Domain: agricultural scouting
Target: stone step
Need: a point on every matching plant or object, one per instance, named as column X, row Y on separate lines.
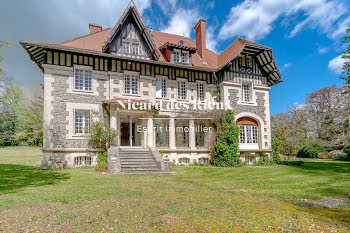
column 136, row 157
column 140, row 171
column 126, row 162
column 127, row 166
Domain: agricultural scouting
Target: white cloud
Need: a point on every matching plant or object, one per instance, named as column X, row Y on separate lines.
column 322, row 50
column 211, row 39
column 336, row 64
column 182, row 22
column 286, row 66
column 255, row 19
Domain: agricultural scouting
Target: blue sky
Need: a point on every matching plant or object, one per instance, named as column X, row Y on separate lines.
column 305, row 35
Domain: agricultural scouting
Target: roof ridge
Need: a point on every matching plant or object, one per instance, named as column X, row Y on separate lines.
column 184, row 37
column 79, row 37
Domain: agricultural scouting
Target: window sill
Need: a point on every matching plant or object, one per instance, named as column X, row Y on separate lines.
column 134, row 95
column 247, row 103
column 162, row 98
column 80, row 136
column 82, row 91
column 182, row 100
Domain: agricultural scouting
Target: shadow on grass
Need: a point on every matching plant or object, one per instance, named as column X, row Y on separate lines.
column 328, row 166
column 13, row 177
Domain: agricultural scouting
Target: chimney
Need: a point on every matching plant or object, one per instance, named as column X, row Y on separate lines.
column 200, row 38
column 94, row 27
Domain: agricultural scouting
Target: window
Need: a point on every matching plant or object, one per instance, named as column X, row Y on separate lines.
column 161, row 127
column 176, row 56
column 131, row 84
column 200, row 92
column 181, row 90
column 182, row 130
column 82, row 161
column 135, row 49
column 200, row 134
column 161, row 88
column 126, row 47
column 83, row 80
column 81, row 121
column 203, row 160
column 185, row 57
column 248, row 134
column 181, row 42
column 184, row 161
column 246, row 92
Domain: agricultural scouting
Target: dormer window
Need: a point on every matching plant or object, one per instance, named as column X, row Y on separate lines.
column 181, row 42
column 181, row 56
column 185, row 57
column 176, row 56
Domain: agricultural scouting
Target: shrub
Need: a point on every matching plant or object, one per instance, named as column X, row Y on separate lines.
column 101, row 135
column 265, row 161
column 310, row 151
column 341, row 156
column 102, row 164
column 347, row 150
column 226, row 146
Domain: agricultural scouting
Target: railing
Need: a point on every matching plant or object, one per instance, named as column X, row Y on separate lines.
column 237, row 77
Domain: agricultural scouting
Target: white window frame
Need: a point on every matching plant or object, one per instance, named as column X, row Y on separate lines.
column 85, row 77
column 135, row 49
column 82, row 161
column 185, row 57
column 247, row 93
column 131, row 84
column 177, row 56
column 181, row 90
column 161, row 87
column 199, row 89
column 249, row 134
column 125, row 43
column 85, row 122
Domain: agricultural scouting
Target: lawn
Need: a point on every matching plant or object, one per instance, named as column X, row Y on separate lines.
column 311, row 198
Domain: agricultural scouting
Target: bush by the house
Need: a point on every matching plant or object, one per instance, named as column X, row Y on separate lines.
column 347, row 150
column 265, row 161
column 310, row 151
column 226, row 145
column 102, row 164
column 341, row 156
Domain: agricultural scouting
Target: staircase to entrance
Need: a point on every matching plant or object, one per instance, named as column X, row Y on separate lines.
column 136, row 161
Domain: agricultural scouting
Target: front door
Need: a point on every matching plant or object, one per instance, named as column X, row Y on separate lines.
column 130, row 133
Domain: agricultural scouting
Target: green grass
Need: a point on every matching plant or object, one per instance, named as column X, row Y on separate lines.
column 194, row 199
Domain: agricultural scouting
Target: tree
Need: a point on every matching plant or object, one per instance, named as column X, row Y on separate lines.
column 101, row 134
column 10, row 99
column 226, row 146
column 30, row 117
column 346, row 66
column 2, row 45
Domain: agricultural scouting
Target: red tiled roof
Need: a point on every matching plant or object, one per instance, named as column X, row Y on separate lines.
column 95, row 41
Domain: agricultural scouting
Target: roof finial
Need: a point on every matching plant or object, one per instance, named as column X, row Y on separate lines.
column 238, row 36
column 132, row 3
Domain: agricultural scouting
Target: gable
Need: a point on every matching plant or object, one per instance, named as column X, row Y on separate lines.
column 130, row 34
column 131, row 21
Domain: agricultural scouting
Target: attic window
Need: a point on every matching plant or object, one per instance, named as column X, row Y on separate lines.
column 181, row 42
